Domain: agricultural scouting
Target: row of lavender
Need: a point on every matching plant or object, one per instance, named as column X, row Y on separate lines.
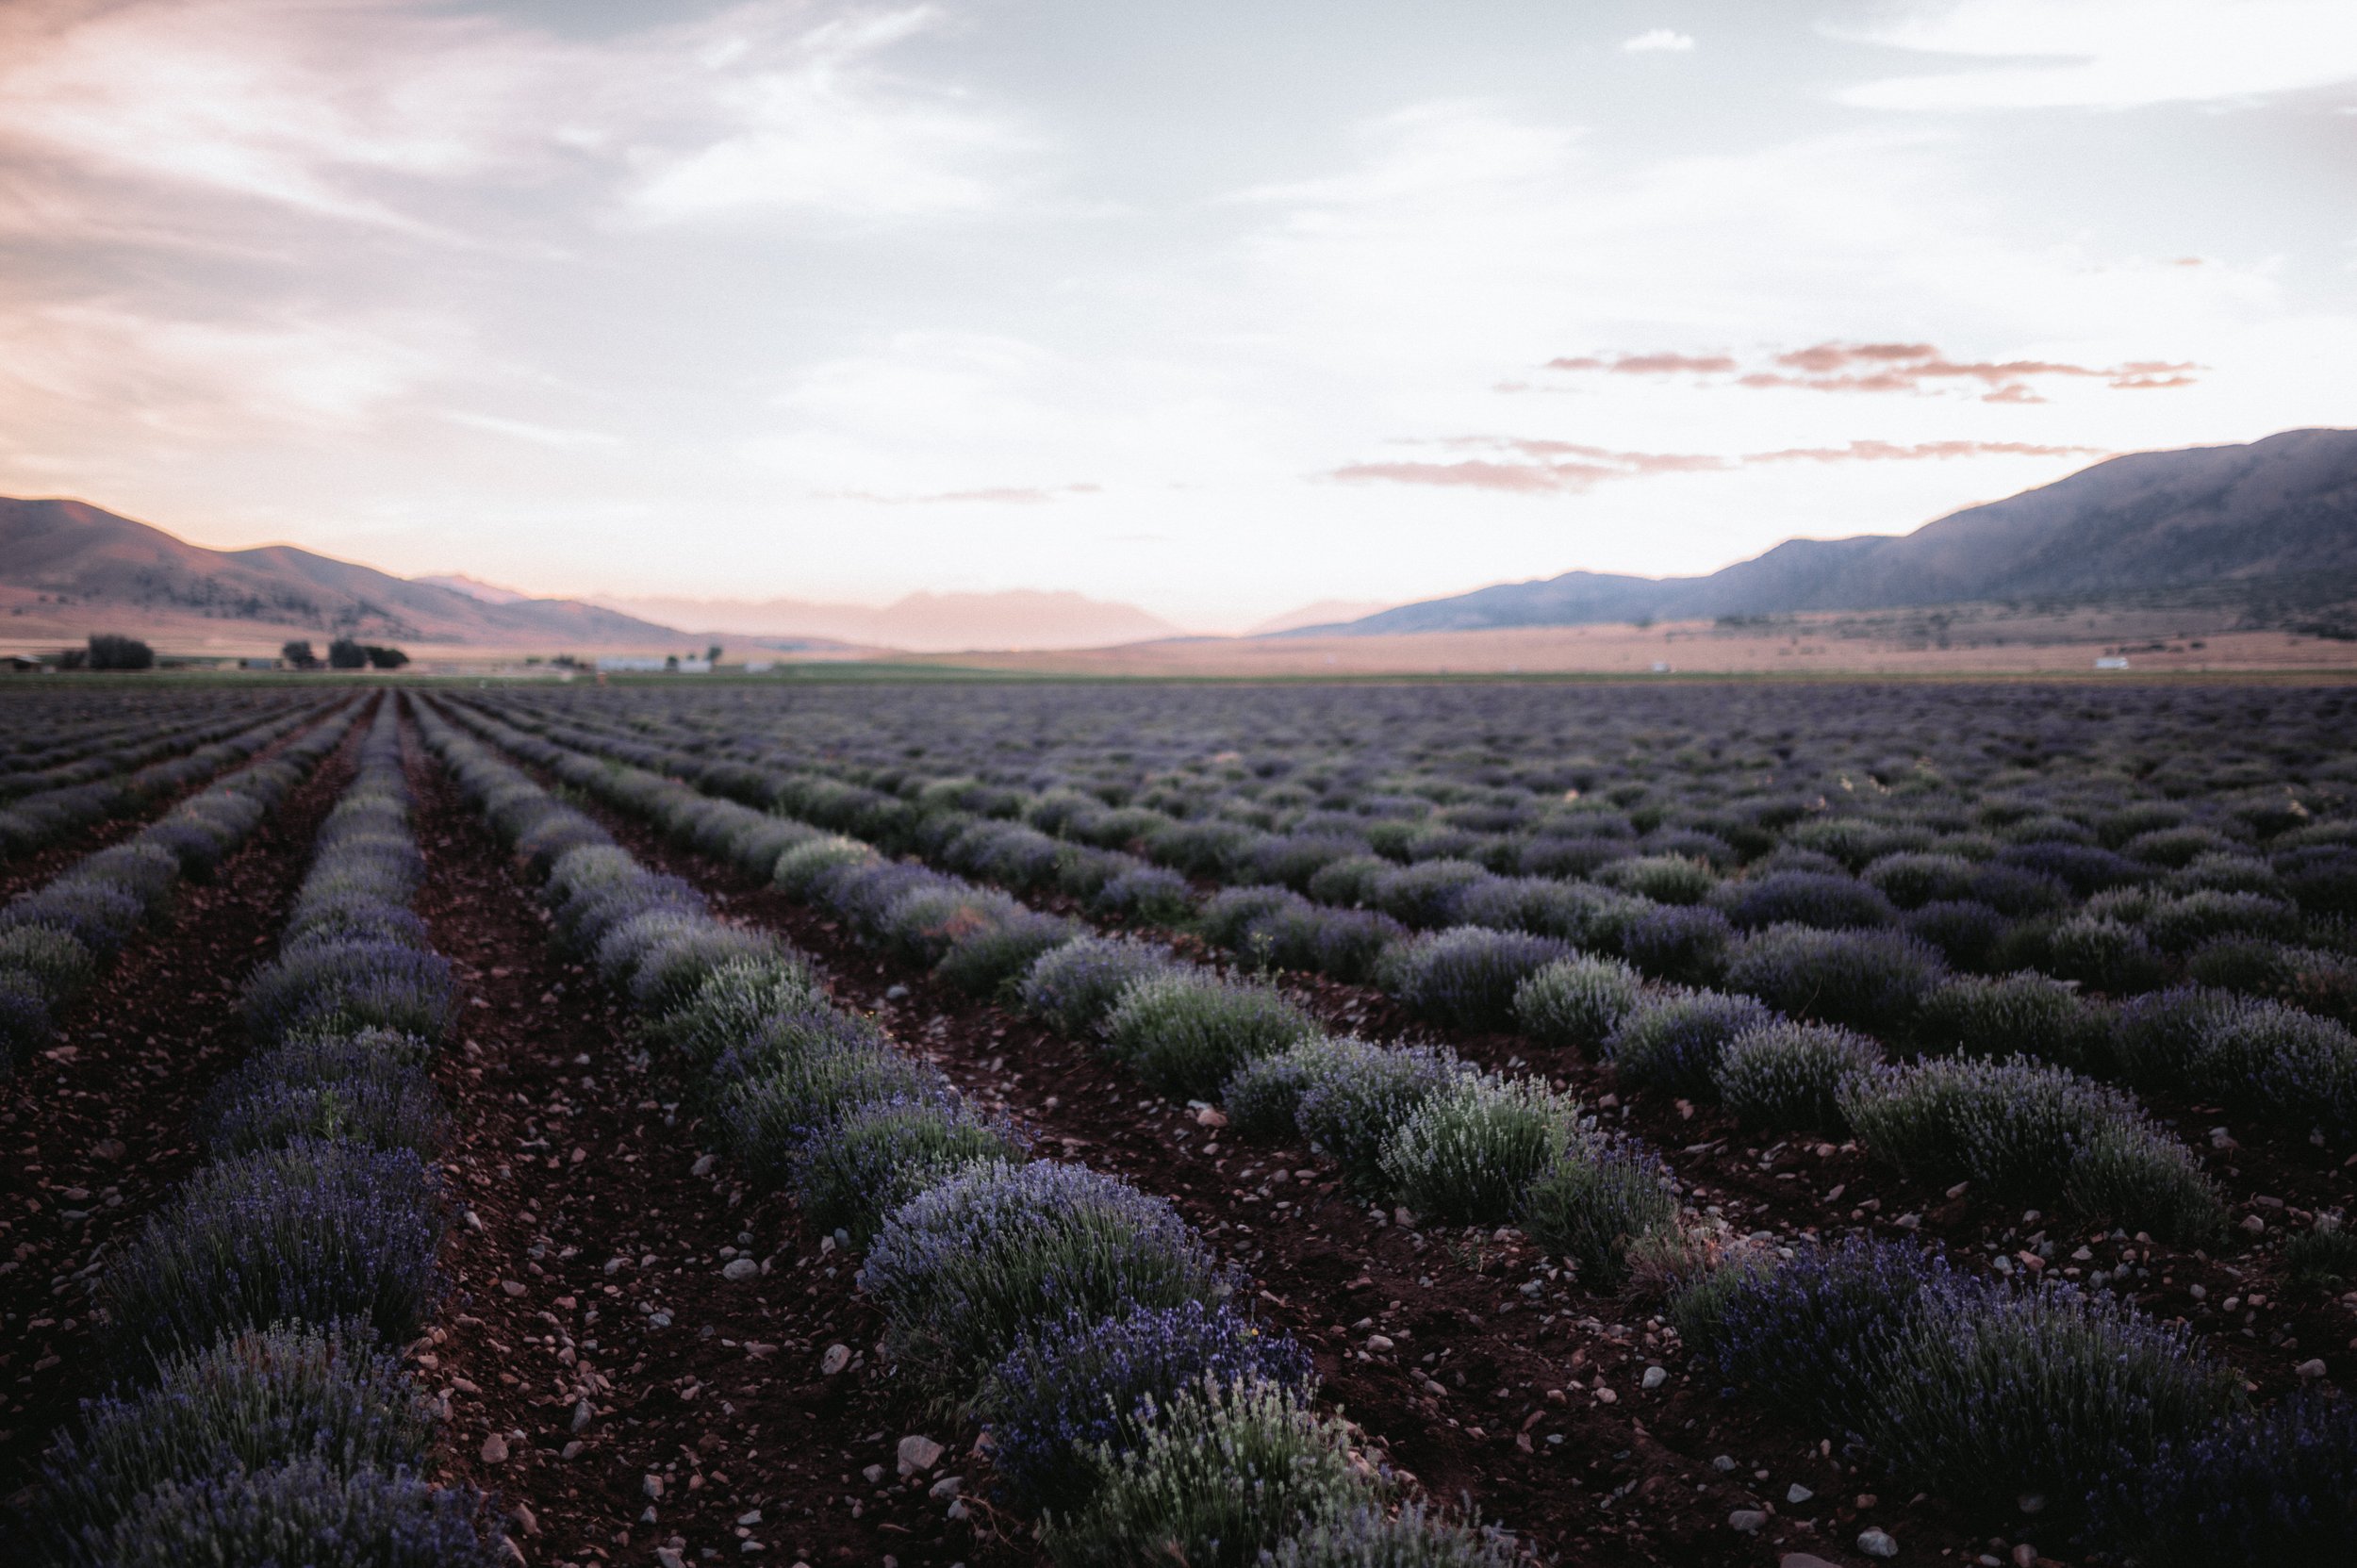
column 1131, row 1404
column 128, row 778
column 1998, row 1094
column 2035, row 892
column 58, row 738
column 2114, row 842
column 56, row 939
column 1415, row 1126
column 1990, row 1390
column 261, row 1413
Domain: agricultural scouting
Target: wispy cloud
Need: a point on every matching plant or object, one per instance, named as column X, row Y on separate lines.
column 1658, row 40
column 2111, row 53
column 383, row 113
column 1564, row 467
column 1647, row 364
column 1890, row 368
column 1005, row 495
column 524, row 430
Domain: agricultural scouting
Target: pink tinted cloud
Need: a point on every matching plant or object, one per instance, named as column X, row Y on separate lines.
column 1838, row 367
column 1538, row 466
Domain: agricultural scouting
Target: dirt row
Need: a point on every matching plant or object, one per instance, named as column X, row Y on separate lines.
column 625, row 1399
column 97, row 1127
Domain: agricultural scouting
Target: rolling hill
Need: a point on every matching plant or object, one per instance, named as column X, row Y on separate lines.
column 94, row 557
column 2275, row 520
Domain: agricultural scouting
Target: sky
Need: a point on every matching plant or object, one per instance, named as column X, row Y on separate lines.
column 1215, row 309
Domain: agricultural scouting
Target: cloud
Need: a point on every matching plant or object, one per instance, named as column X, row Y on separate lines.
column 1012, row 495
column 1647, row 364
column 151, row 116
column 820, row 122
column 1565, row 468
column 1657, row 41
column 2111, row 53
column 539, row 434
column 1889, row 451
column 1834, row 366
column 211, row 380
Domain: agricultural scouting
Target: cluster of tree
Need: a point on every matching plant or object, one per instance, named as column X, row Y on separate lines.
column 344, row 653
column 107, row 650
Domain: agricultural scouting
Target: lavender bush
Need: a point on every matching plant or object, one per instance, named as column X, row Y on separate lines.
column 1186, row 1034
column 1075, row 1394
column 1787, row 1076
column 1072, row 986
column 300, row 1511
column 966, row 1268
column 1354, row 1096
column 1867, row 979
column 2025, row 1013
column 1673, row 1042
column 1577, row 1002
column 1470, row 1150
column 1368, row 1537
column 2275, row 1487
column 1827, row 900
column 1221, row 1473
column 852, row 1170
column 2024, row 1128
column 308, row 1232
column 1467, row 976
column 1600, row 1197
column 246, row 1402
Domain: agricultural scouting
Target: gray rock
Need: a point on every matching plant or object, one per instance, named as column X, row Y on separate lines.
column 1723, row 1464
column 1796, row 1495
column 1654, row 1377
column 1877, row 1543
column 918, row 1453
column 741, row 1268
column 1746, row 1521
column 703, row 1164
column 946, row 1488
column 836, row 1359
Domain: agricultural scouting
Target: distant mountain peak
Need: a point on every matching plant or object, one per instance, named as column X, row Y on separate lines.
column 476, row 588
column 2274, row 517
column 140, row 575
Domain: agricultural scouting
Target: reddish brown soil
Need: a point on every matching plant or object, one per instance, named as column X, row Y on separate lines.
column 573, row 1150
column 97, row 1127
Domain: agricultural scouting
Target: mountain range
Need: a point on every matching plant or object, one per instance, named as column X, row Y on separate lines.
column 2271, row 524
column 71, row 550
column 2274, row 520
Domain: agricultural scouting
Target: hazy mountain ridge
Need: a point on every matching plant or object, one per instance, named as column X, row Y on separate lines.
column 2275, row 517
column 74, row 548
column 924, row 623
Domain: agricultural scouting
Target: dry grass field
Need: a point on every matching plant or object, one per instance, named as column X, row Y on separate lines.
column 1961, row 642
